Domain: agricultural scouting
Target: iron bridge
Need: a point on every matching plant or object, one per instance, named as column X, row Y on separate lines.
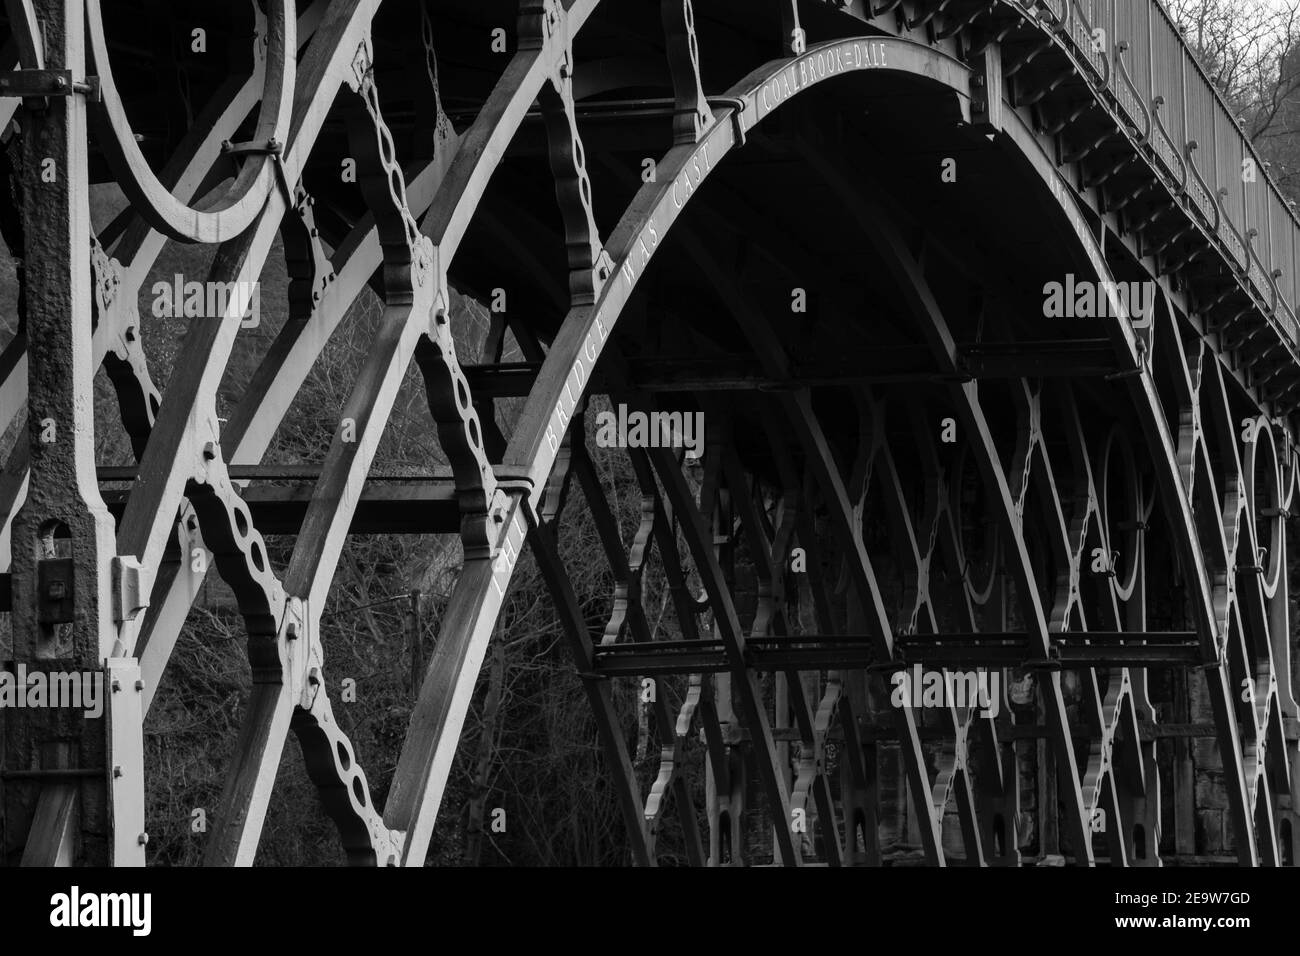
column 960, row 576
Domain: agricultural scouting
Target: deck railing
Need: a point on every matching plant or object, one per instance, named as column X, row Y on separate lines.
column 1132, row 52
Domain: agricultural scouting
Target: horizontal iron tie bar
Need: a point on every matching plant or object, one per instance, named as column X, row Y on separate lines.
column 1068, row 637
column 1083, row 358
column 801, row 653
column 952, row 639
column 35, row 86
column 408, row 507
column 305, row 472
column 878, row 733
column 57, row 774
column 647, row 108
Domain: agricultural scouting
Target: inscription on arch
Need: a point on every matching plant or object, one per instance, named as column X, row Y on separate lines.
column 818, row 64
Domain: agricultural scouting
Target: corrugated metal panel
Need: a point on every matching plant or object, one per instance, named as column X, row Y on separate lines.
column 1102, row 15
column 1258, row 195
column 1103, row 20
column 1167, row 82
column 1229, row 150
column 1284, row 249
column 1093, row 47
column 1133, row 26
column 1201, row 110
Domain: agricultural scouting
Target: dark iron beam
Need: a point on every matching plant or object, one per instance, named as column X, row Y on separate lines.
column 806, row 652
column 411, row 506
column 881, row 366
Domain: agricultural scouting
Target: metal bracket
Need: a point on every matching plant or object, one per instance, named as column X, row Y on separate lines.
column 272, row 147
column 519, row 486
column 1050, row 663
column 128, row 596
column 37, row 86
column 986, row 90
column 737, row 104
column 54, row 591
column 1129, row 373
column 125, row 713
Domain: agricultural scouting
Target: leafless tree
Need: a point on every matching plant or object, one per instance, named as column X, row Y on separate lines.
column 1251, row 51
